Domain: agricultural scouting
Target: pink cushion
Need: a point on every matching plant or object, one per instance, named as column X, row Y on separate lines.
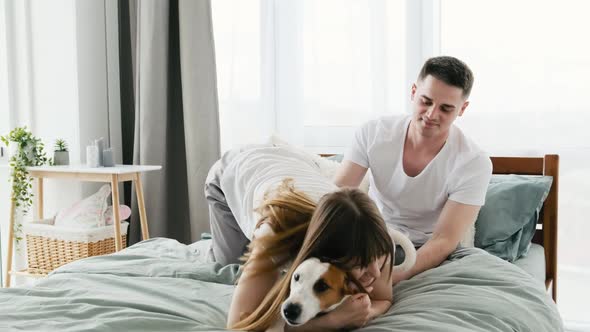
column 92, row 211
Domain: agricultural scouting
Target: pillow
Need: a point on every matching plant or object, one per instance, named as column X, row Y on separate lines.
column 92, row 211
column 87, row 213
column 507, row 222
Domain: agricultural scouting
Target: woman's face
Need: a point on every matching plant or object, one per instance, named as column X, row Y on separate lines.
column 367, row 275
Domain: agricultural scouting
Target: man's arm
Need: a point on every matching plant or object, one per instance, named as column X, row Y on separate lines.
column 455, row 218
column 349, row 174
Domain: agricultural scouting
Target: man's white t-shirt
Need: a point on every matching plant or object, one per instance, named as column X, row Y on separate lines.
column 255, row 171
column 460, row 172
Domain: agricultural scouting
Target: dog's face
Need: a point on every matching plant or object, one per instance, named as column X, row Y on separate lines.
column 316, row 287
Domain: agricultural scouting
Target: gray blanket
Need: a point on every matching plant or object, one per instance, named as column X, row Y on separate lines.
column 162, row 285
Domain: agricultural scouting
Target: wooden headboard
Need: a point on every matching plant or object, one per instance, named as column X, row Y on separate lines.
column 546, row 234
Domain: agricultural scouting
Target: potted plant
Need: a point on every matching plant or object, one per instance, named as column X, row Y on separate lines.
column 61, row 156
column 25, row 150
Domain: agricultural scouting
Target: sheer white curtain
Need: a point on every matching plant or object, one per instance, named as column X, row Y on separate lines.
column 3, row 71
column 4, row 171
column 309, row 71
column 39, row 88
column 531, row 61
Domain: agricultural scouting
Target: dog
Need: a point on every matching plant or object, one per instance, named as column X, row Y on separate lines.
column 319, row 287
column 316, row 287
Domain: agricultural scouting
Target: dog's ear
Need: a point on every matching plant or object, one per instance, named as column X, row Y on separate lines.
column 354, row 286
column 348, row 287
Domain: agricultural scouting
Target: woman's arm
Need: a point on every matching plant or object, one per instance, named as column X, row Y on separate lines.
column 252, row 287
column 382, row 295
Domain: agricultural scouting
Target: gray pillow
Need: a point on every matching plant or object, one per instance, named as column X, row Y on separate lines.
column 506, row 223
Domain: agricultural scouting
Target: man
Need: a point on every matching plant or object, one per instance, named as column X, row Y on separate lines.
column 427, row 178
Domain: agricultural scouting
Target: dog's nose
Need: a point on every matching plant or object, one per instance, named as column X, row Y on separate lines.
column 292, row 311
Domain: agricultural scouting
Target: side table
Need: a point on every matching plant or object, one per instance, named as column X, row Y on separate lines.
column 112, row 175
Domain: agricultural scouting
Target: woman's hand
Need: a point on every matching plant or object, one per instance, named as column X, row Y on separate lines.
column 354, row 312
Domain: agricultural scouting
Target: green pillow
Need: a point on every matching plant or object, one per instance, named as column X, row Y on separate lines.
column 506, row 223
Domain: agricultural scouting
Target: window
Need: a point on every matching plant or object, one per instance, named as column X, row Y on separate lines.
column 309, row 76
column 312, row 71
column 529, row 97
column 244, row 111
column 38, row 86
column 4, row 101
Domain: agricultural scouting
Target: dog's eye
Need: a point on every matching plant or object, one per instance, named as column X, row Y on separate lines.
column 320, row 286
column 296, row 277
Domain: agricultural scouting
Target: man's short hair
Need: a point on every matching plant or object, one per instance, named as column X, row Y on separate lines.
column 450, row 70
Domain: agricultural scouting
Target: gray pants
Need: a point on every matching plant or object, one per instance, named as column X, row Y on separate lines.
column 228, row 241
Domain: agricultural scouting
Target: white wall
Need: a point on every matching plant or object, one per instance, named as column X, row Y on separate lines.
column 95, row 108
column 58, row 58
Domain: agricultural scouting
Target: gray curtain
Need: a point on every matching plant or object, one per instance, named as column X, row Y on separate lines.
column 169, row 111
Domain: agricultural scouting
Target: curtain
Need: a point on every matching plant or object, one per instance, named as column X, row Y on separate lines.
column 169, row 111
column 309, row 71
column 529, row 99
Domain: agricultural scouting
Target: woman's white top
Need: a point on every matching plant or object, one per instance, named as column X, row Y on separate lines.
column 256, row 171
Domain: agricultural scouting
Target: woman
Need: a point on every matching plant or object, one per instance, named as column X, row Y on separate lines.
column 345, row 229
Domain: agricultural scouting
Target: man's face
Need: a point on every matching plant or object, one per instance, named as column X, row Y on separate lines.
column 436, row 105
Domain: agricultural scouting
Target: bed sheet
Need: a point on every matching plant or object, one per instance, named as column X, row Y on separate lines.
column 162, row 285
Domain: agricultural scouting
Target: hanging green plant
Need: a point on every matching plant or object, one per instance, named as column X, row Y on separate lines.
column 28, row 150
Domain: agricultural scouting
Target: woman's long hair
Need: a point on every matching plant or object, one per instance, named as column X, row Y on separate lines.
column 287, row 212
column 346, row 228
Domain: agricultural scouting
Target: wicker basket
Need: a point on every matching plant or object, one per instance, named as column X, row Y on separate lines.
column 49, row 247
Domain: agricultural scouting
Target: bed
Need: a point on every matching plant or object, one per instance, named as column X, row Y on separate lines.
column 545, row 238
column 162, row 285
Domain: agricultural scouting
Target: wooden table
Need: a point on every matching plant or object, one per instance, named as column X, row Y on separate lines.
column 112, row 175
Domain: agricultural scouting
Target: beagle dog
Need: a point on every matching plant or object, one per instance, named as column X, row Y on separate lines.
column 316, row 287
column 319, row 287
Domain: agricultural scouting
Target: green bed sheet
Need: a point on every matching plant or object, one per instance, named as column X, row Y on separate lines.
column 162, row 285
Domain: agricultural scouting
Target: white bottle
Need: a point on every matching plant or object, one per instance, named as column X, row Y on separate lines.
column 100, row 144
column 92, row 156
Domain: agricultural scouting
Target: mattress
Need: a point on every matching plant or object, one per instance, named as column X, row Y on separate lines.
column 534, row 262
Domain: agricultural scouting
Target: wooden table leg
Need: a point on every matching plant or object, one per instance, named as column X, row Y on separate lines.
column 10, row 243
column 116, row 215
column 145, row 234
column 40, row 198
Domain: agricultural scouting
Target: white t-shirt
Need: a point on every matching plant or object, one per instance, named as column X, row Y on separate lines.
column 460, row 172
column 253, row 172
